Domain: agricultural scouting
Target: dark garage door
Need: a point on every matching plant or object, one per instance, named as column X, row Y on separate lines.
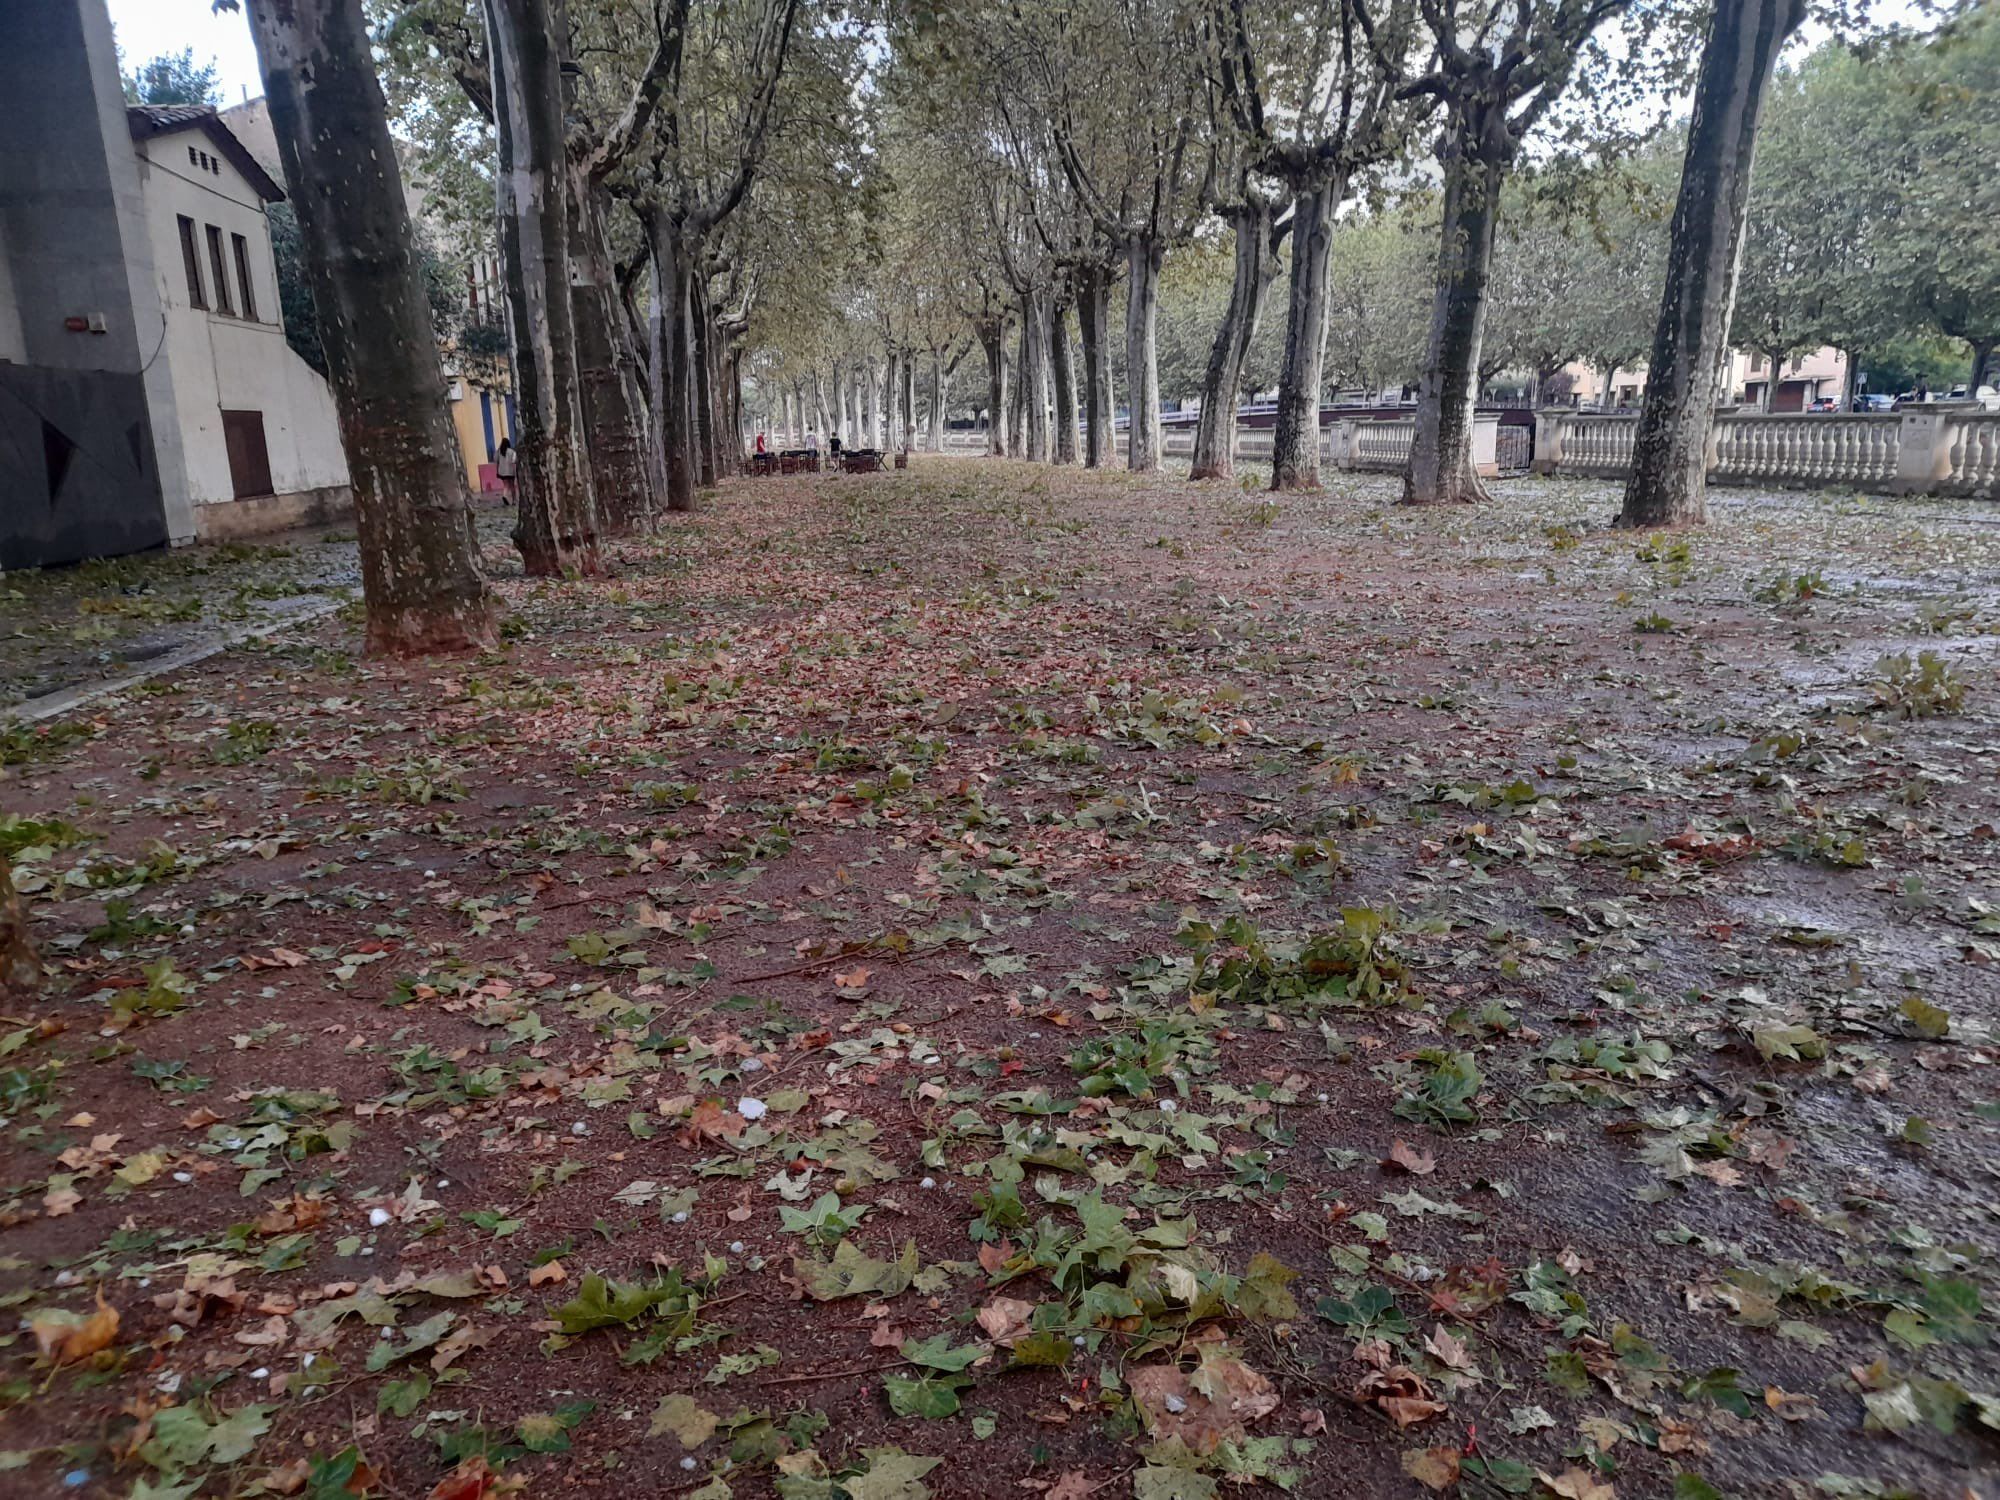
column 249, row 459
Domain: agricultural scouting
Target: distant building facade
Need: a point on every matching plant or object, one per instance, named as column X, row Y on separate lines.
column 1802, row 380
column 147, row 395
column 482, row 409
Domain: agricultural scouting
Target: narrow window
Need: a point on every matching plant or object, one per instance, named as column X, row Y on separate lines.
column 193, row 157
column 215, row 265
column 242, row 248
column 191, row 259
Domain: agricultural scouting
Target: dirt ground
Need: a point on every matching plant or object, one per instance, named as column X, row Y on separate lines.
column 992, row 980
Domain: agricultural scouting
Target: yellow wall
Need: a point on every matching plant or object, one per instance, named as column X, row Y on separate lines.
column 465, row 417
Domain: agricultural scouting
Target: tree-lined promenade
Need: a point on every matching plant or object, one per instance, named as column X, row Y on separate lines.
column 1038, row 973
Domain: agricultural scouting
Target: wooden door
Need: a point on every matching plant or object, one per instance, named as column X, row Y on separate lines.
column 249, row 459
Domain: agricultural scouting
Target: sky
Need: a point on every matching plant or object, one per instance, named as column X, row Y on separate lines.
column 146, row 28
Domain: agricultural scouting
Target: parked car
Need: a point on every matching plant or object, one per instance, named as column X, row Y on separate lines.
column 1824, row 403
column 1877, row 401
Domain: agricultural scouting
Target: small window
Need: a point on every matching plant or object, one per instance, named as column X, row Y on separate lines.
column 242, row 248
column 191, row 262
column 215, row 265
column 194, row 157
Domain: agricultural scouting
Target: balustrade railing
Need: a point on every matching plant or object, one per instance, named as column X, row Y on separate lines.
column 1937, row 448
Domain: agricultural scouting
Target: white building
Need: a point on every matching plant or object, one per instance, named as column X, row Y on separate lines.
column 147, row 395
column 260, row 436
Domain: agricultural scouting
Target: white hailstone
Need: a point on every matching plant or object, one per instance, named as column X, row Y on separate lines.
column 66, row 1278
column 753, row 1065
column 579, row 1128
column 144, row 1282
column 1034, row 1036
column 367, row 1249
column 736, row 1247
column 233, row 1142
column 1076, row 1339
column 377, row 1217
column 1322, row 1098
column 187, row 929
column 752, row 1109
column 167, row 1381
column 928, row 1183
column 681, row 1217
column 689, row 1464
column 430, row 874
column 1168, row 1107
column 183, row 1177
column 1176, row 1405
column 444, row 1182
column 574, row 988
column 262, row 1372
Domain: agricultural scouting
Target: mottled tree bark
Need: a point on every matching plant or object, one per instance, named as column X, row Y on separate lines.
column 908, row 400
column 20, row 970
column 1669, row 481
column 875, row 438
column 1256, row 264
column 1034, row 363
column 1295, row 443
column 614, row 398
column 672, row 361
column 1093, row 317
column 1440, row 467
column 557, row 531
column 1062, row 373
column 701, row 324
column 1145, row 256
column 420, row 575
column 939, row 387
column 892, row 390
column 993, row 340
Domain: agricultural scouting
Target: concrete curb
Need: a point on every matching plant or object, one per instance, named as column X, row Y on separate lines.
column 69, row 699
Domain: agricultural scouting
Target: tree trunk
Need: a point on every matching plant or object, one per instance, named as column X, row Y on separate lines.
column 1669, row 483
column 909, row 400
column 614, row 410
column 939, row 387
column 1295, row 443
column 673, row 377
column 1144, row 258
column 1215, row 431
column 1440, row 467
column 1982, row 362
column 993, row 339
column 841, row 429
column 557, row 532
column 700, row 323
column 1093, row 316
column 420, row 575
column 873, row 432
column 20, row 971
column 1034, row 362
column 1062, row 372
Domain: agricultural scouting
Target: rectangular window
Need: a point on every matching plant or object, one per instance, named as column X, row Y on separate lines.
column 191, row 260
column 242, row 248
column 221, row 273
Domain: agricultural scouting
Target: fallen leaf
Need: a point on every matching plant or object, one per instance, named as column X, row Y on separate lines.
column 63, row 1338
column 1403, row 1157
column 1433, row 1468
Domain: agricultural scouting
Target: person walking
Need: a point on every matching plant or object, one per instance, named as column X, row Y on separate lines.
column 506, row 464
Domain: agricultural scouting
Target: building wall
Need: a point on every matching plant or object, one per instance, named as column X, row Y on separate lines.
column 227, row 360
column 89, row 455
column 1823, row 372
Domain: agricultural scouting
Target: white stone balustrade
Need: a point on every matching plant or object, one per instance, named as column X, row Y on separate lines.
column 1939, row 448
column 1942, row 448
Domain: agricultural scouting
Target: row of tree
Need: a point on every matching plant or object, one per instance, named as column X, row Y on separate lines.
column 819, row 211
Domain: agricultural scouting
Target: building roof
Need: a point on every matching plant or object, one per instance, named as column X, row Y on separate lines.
column 149, row 120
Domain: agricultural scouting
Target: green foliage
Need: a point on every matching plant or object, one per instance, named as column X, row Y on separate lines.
column 1443, row 1097
column 1907, row 689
